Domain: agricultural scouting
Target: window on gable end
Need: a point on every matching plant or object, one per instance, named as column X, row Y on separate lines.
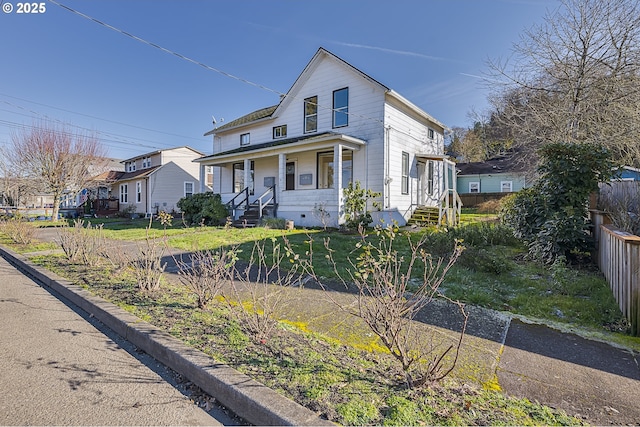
column 341, row 107
column 311, row 114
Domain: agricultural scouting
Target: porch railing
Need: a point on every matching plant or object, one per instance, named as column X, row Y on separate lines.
column 450, row 205
column 242, row 198
column 266, row 198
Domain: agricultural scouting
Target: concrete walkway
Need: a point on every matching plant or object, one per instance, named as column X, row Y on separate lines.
column 593, row 380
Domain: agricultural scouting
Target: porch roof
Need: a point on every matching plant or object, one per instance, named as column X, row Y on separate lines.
column 316, row 141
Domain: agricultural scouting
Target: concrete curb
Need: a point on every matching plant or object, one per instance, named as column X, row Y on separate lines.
column 247, row 398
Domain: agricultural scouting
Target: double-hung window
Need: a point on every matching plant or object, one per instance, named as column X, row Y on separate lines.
column 405, row 173
column 311, row 114
column 188, row 189
column 138, row 191
column 245, row 139
column 124, row 193
column 341, row 107
column 474, row 187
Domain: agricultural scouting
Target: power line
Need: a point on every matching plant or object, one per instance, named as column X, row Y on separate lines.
column 97, row 118
column 193, row 61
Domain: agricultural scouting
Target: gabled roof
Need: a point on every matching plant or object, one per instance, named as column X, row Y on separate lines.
column 273, row 111
column 140, row 156
column 249, row 118
column 141, row 173
column 503, row 164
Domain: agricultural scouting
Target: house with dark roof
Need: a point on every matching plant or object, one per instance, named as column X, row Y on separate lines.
column 492, row 178
column 334, row 126
column 155, row 181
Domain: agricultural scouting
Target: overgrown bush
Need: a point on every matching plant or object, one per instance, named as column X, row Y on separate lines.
column 552, row 215
column 356, row 205
column 203, row 209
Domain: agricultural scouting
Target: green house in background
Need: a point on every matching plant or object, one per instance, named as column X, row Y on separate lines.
column 478, row 182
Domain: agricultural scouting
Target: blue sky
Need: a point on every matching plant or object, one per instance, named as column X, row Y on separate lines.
column 60, row 66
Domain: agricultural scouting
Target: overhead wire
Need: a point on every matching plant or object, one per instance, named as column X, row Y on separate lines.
column 196, row 62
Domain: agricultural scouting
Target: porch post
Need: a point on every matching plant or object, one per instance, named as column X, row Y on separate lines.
column 247, row 172
column 282, row 169
column 202, row 177
column 337, row 177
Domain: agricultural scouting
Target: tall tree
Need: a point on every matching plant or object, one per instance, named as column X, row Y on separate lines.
column 575, row 78
column 56, row 157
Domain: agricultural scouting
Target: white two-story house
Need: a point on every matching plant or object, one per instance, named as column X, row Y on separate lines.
column 336, row 124
column 155, row 181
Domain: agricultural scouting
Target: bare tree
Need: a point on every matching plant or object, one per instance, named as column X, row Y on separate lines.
column 56, row 157
column 575, row 78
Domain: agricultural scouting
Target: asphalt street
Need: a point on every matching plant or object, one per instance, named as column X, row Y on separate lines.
column 59, row 368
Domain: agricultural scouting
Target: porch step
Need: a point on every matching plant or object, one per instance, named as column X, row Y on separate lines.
column 425, row 215
column 252, row 217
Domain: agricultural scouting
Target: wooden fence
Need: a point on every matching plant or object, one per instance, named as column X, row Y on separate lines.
column 619, row 260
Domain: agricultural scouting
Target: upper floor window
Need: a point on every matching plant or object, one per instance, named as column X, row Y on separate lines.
column 245, row 139
column 279, row 131
column 341, row 107
column 311, row 114
column 131, row 166
column 430, row 133
column 146, row 162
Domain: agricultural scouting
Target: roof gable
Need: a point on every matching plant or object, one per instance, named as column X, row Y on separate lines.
column 152, row 153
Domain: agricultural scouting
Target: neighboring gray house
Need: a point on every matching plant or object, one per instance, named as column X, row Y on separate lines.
column 155, row 181
column 335, row 125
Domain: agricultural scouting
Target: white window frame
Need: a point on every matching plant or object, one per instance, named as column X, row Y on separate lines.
column 312, row 114
column 340, row 113
column 189, row 193
column 245, row 139
column 138, row 191
column 503, row 183
column 124, row 193
column 279, row 131
column 404, row 181
column 474, row 187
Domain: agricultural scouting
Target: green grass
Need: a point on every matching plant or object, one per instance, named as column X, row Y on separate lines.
column 347, row 383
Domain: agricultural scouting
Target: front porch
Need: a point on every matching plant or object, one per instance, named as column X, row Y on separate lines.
column 300, row 181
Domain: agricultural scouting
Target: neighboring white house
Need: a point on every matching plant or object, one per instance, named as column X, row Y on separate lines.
column 155, row 181
column 335, row 124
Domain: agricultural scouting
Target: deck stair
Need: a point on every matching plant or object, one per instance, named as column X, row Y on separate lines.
column 425, row 215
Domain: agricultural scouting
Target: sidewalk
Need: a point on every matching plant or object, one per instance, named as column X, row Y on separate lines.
column 596, row 381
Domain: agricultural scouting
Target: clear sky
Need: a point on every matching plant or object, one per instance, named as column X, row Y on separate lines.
column 58, row 65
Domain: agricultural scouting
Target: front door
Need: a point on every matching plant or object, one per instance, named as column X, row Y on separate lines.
column 290, row 176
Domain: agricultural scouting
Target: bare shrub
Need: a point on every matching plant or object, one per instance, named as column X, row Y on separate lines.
column 490, row 206
column 18, row 229
column 388, row 301
column 206, row 273
column 147, row 266
column 82, row 243
column 260, row 287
